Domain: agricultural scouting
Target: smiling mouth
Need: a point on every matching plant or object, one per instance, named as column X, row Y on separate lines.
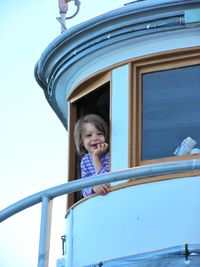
column 95, row 145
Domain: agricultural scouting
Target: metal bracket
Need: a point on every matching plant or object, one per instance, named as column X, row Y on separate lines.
column 63, row 8
column 63, row 238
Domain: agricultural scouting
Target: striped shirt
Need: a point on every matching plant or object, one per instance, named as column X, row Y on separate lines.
column 87, row 169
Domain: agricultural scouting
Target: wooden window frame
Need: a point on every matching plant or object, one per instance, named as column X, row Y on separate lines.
column 84, row 88
column 158, row 62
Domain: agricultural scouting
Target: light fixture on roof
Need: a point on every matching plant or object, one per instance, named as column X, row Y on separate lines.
column 63, row 8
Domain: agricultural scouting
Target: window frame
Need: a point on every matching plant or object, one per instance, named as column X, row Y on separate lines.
column 83, row 89
column 158, row 62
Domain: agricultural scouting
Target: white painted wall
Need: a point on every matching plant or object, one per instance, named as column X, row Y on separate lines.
column 120, row 118
column 136, row 219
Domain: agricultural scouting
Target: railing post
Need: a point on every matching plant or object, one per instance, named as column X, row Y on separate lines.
column 45, row 232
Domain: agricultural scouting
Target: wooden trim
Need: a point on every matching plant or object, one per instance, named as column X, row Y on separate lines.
column 133, row 124
column 72, row 152
column 88, row 86
column 72, row 149
column 169, row 159
column 156, row 179
column 139, row 117
column 140, row 181
column 110, row 122
column 167, row 57
column 176, row 62
column 130, row 96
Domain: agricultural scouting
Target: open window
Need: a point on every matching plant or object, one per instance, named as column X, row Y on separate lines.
column 167, row 94
column 91, row 97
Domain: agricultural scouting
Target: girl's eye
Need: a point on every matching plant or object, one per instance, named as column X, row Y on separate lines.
column 87, row 135
column 100, row 133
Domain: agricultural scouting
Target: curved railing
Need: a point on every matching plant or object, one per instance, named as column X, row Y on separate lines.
column 48, row 195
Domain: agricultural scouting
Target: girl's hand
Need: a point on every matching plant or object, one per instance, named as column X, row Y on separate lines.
column 96, row 157
column 101, row 189
column 100, row 150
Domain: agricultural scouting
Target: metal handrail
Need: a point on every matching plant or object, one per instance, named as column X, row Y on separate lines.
column 46, row 196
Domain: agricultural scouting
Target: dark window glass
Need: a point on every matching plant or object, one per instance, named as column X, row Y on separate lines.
column 170, row 110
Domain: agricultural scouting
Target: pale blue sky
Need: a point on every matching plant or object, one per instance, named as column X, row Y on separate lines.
column 33, row 142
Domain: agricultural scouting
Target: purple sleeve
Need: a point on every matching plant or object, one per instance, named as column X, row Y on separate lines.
column 106, row 164
column 87, row 192
column 85, row 173
column 86, row 166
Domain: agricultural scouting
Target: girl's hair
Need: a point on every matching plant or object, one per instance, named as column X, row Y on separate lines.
column 94, row 119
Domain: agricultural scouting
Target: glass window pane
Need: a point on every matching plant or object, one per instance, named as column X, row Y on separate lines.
column 170, row 110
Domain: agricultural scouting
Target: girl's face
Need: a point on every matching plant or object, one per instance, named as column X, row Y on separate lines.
column 92, row 137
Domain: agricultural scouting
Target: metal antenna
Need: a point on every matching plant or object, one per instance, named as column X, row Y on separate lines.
column 63, row 8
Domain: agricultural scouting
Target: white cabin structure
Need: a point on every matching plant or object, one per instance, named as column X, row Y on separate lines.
column 139, row 68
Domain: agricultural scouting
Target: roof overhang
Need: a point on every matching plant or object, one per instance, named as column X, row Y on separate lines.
column 70, row 57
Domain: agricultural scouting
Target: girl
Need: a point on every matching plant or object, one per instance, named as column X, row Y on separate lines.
column 91, row 139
